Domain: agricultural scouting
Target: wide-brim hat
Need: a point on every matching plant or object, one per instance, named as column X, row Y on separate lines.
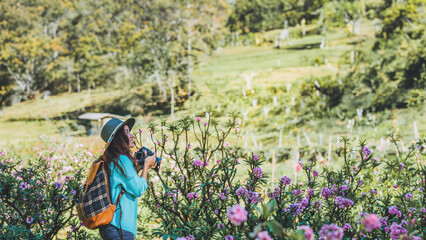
column 112, row 126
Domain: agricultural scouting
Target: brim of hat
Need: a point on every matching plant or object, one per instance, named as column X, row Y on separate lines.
column 129, row 122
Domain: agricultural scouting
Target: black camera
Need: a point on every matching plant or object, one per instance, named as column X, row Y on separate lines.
column 141, row 156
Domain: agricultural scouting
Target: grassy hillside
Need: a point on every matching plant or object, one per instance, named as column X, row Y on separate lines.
column 220, row 81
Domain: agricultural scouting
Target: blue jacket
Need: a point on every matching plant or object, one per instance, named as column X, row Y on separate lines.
column 134, row 186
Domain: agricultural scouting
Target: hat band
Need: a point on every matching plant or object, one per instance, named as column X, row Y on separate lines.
column 114, row 132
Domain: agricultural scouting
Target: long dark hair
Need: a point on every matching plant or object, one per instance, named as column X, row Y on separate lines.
column 119, row 145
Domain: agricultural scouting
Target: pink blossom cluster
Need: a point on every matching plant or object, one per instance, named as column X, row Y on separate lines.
column 371, row 222
column 397, row 230
column 331, row 232
column 264, row 235
column 198, row 163
column 343, row 202
column 394, row 210
column 257, row 172
column 237, row 214
column 307, row 232
column 192, row 195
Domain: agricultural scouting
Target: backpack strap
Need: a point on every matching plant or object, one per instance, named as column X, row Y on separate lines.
column 121, row 210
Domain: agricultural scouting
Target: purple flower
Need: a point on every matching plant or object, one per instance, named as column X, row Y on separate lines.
column 198, row 119
column 396, row 230
column 293, row 209
column 285, row 180
column 423, row 210
column 181, row 238
column 304, row 203
column 229, row 237
column 240, row 191
column 220, row 225
column 216, row 211
column 366, row 152
column 331, row 232
column 237, row 215
column 401, row 165
column 30, row 220
column 307, row 232
column 394, row 210
column 205, row 123
column 315, row 173
column 253, row 197
column 257, row 172
column 296, row 192
column 344, row 187
column 255, row 157
column 383, row 222
column 371, row 222
column 263, row 236
column 325, row 192
column 408, row 196
column 361, row 183
column 222, row 196
column 58, row 185
column 346, row 227
column 74, row 192
column 343, row 202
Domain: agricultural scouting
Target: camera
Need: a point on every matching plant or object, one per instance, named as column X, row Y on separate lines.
column 141, row 156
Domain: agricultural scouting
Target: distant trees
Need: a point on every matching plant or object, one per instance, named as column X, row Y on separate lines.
column 78, row 44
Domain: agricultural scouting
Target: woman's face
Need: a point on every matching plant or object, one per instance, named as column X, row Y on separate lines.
column 129, row 135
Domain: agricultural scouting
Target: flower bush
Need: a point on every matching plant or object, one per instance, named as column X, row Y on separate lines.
column 38, row 192
column 198, row 195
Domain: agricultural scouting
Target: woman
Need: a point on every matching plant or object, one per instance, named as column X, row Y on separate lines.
column 121, row 167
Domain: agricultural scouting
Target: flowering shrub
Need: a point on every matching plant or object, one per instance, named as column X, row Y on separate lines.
column 198, row 196
column 38, row 192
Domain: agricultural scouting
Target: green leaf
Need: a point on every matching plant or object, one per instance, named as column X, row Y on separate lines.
column 275, row 227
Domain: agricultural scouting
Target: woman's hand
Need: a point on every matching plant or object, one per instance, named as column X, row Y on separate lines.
column 150, row 162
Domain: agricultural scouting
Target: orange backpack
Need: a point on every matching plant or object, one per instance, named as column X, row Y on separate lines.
column 94, row 208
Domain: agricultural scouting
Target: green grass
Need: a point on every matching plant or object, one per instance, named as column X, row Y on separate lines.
column 54, row 106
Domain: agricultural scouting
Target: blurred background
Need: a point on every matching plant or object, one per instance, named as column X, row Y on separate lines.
column 301, row 72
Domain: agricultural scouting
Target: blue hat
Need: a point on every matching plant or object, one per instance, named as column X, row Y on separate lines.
column 111, row 127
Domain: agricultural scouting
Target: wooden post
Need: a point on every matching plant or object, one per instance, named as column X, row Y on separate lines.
column 329, row 150
column 273, row 166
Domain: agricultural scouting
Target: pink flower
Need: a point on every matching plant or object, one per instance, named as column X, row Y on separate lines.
column 263, row 236
column 229, row 237
column 198, row 163
column 237, row 214
column 396, row 230
column 198, row 119
column 190, row 237
column 192, row 195
column 346, row 227
column 24, row 186
column 257, row 172
column 315, row 173
column 371, row 222
column 140, row 131
column 307, row 232
column 255, row 157
column 331, row 232
column 205, row 123
column 408, row 196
